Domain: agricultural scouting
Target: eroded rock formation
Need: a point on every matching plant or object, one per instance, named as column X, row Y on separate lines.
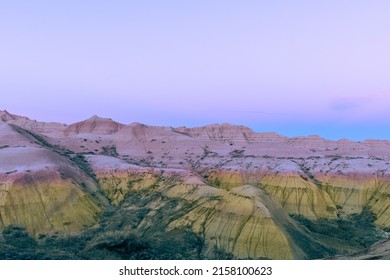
column 235, row 190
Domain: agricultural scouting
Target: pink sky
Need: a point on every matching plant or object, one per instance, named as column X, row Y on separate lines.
column 296, row 68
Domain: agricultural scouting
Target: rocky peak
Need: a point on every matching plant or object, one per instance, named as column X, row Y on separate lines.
column 94, row 125
column 5, row 116
column 97, row 118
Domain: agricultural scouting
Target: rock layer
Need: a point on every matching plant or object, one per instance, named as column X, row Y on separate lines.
column 234, row 189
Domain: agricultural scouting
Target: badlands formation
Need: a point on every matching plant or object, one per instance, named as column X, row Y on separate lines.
column 218, row 191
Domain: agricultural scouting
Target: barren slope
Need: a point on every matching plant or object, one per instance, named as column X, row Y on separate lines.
column 242, row 194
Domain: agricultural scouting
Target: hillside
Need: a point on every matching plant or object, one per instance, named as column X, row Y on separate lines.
column 99, row 189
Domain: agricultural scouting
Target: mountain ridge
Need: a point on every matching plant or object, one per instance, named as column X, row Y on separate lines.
column 239, row 193
column 5, row 116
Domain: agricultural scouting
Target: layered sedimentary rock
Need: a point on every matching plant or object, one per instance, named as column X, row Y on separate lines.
column 236, row 222
column 42, row 190
column 234, row 189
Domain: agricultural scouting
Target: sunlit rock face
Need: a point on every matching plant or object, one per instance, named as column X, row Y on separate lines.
column 236, row 191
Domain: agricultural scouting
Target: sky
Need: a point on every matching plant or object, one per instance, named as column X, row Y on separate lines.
column 294, row 67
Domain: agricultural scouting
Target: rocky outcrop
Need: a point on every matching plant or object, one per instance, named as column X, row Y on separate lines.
column 44, row 203
column 51, row 129
column 243, row 194
column 236, row 222
column 41, row 189
column 93, row 125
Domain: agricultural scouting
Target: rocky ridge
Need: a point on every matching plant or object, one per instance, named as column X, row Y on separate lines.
column 241, row 194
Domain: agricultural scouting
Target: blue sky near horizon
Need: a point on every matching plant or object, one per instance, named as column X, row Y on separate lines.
column 294, row 67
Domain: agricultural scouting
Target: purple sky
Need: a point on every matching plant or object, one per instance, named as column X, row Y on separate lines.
column 294, row 67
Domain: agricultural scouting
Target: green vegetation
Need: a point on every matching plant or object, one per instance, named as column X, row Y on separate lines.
column 77, row 159
column 80, row 161
column 350, row 234
column 237, row 153
column 120, row 235
column 110, row 151
column 141, row 233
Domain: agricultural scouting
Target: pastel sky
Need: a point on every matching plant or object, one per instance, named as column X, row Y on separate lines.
column 294, row 67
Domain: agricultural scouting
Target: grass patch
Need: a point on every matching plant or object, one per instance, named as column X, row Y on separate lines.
column 121, row 234
column 355, row 232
